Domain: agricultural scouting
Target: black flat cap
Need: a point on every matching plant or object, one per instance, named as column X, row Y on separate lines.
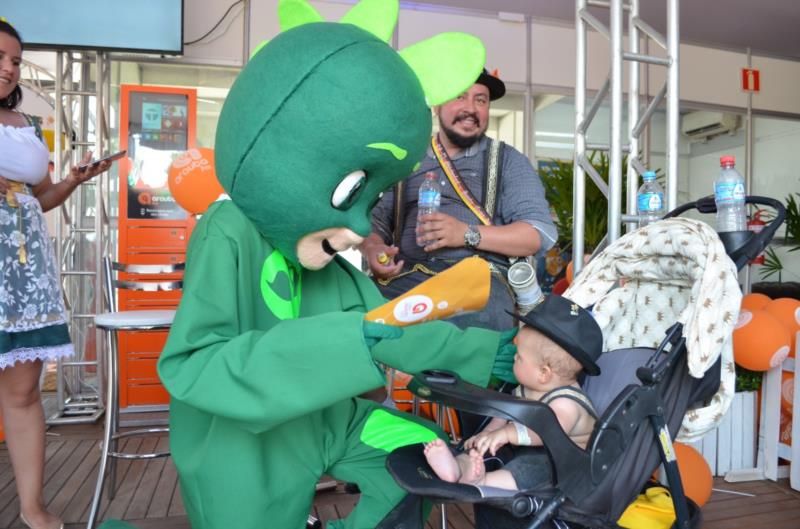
column 570, row 326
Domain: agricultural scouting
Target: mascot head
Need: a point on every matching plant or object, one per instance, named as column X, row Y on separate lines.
column 326, row 116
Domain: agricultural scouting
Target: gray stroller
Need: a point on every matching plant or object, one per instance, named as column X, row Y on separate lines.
column 667, row 298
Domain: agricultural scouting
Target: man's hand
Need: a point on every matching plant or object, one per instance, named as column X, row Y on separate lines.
column 441, row 230
column 380, row 257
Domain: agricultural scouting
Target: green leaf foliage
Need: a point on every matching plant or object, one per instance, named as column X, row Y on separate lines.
column 772, row 264
column 557, row 177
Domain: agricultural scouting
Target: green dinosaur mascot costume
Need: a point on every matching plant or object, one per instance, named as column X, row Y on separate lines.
column 269, row 347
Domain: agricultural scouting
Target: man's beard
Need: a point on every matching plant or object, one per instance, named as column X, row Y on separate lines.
column 462, row 142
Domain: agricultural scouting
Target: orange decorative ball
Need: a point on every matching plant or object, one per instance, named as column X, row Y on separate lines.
column 755, row 301
column 760, row 341
column 787, row 311
column 570, row 273
column 695, row 473
column 193, row 181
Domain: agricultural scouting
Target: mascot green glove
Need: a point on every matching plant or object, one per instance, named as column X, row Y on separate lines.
column 268, row 349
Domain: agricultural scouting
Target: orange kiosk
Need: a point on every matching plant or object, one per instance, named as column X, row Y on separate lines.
column 156, row 124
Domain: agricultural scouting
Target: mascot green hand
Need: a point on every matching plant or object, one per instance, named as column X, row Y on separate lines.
column 268, row 349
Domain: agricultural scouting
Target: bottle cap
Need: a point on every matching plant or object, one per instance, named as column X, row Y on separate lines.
column 727, row 160
column 649, row 175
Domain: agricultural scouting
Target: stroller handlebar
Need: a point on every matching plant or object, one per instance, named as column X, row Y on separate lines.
column 741, row 246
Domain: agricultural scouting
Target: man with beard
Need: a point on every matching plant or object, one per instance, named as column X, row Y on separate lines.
column 496, row 216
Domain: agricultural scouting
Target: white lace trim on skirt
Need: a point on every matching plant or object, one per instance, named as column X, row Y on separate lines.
column 30, row 354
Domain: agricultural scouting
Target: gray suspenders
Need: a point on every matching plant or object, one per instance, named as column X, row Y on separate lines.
column 491, row 186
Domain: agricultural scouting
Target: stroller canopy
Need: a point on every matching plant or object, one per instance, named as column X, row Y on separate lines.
column 675, row 270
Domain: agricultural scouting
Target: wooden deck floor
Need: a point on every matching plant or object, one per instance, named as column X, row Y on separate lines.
column 149, row 496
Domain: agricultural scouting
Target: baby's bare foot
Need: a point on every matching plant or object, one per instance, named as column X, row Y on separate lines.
column 474, row 469
column 442, row 461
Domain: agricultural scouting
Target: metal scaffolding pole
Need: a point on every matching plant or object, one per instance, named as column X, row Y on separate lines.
column 637, row 122
column 82, row 229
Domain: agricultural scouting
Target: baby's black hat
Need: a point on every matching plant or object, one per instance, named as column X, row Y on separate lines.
column 570, row 326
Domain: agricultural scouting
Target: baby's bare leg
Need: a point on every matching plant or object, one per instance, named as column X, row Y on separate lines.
column 502, row 479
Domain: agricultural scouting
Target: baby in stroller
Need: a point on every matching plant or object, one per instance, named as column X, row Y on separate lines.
column 558, row 341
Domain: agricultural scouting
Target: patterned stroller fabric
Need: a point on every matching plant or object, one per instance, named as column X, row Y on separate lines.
column 675, row 270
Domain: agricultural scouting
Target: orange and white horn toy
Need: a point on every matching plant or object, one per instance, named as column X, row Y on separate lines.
column 463, row 287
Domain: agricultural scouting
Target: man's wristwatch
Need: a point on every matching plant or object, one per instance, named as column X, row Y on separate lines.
column 472, row 237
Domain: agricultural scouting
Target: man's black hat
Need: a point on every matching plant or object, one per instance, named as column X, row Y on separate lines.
column 497, row 88
column 570, row 326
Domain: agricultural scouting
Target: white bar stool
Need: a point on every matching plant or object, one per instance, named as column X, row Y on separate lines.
column 130, row 320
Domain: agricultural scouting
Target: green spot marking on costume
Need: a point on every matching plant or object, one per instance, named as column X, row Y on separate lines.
column 385, row 431
column 398, row 152
column 283, row 307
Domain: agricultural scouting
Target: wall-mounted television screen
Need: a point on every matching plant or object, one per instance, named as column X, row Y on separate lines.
column 146, row 26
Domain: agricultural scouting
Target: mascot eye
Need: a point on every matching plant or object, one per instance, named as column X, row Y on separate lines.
column 348, row 190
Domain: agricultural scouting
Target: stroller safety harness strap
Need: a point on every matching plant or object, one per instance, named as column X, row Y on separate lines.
column 672, row 270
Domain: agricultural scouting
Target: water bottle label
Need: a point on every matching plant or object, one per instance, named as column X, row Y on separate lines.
column 728, row 192
column 429, row 197
column 650, row 202
column 738, row 192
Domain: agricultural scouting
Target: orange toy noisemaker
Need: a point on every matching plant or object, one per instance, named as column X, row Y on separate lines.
column 461, row 288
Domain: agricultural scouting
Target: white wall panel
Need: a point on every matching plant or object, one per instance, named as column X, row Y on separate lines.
column 553, row 57
column 708, row 75
column 504, row 41
column 224, row 46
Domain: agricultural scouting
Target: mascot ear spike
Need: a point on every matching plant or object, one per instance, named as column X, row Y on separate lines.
column 379, row 17
column 446, row 64
column 293, row 13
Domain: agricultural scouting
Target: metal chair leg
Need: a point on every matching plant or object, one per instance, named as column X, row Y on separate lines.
column 107, row 437
column 113, row 411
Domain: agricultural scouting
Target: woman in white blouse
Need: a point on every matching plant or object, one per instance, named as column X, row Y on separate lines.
column 32, row 318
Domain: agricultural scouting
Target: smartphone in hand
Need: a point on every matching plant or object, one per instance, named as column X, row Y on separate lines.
column 109, row 158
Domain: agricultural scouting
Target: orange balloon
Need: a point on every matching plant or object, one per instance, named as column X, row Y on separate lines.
column 760, row 341
column 755, row 301
column 193, row 181
column 570, row 272
column 695, row 473
column 787, row 311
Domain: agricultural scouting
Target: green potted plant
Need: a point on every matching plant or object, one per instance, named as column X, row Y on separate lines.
column 773, row 267
column 557, row 177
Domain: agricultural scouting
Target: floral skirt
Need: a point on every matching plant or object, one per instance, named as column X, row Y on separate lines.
column 32, row 316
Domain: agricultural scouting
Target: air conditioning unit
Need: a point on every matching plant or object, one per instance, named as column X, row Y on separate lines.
column 702, row 125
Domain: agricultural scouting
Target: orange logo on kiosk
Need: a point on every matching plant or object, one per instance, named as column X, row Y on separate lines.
column 461, row 288
column 193, row 181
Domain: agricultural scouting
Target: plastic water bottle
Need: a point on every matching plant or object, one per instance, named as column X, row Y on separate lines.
column 430, row 197
column 729, row 196
column 650, row 200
